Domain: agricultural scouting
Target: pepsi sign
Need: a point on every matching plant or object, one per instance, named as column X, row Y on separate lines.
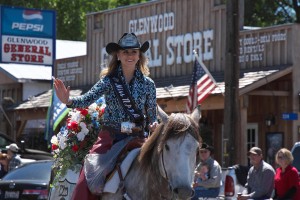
column 27, row 22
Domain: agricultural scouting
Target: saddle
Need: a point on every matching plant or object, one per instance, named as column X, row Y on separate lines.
column 115, row 179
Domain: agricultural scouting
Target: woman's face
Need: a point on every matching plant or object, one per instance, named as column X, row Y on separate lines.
column 129, row 57
column 281, row 159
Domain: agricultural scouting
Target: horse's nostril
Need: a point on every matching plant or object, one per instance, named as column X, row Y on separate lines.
column 176, row 190
column 184, row 192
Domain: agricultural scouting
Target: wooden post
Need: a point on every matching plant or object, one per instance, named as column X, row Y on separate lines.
column 231, row 107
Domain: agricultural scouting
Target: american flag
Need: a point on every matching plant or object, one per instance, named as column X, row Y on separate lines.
column 202, row 85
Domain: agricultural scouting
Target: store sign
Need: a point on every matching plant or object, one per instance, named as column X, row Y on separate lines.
column 27, row 36
column 179, row 47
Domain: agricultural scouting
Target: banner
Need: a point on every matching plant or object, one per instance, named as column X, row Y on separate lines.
column 56, row 113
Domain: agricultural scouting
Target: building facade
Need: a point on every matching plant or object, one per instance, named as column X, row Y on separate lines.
column 269, row 67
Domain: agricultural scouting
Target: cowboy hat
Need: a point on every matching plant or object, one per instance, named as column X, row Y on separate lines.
column 255, row 150
column 205, row 146
column 13, row 147
column 127, row 41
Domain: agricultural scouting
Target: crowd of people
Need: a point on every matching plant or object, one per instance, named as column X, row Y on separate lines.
column 263, row 182
column 9, row 160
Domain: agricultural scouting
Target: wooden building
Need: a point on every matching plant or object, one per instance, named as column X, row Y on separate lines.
column 269, row 67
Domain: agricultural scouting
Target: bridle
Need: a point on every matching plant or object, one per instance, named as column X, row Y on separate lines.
column 165, row 175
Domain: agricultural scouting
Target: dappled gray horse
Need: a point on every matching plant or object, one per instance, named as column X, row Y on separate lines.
column 165, row 166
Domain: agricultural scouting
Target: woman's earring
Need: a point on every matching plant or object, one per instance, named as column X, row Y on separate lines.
column 118, row 58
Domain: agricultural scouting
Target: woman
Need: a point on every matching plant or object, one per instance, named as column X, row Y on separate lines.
column 286, row 177
column 130, row 98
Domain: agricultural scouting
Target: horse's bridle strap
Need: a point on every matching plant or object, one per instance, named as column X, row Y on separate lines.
column 163, row 164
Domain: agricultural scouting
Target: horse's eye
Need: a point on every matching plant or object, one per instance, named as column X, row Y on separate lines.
column 167, row 147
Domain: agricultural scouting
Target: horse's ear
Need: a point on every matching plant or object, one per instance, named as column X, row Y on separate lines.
column 162, row 115
column 196, row 115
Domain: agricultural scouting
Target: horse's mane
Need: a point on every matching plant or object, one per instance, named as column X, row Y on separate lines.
column 178, row 125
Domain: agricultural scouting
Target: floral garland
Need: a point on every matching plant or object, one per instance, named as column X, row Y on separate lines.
column 73, row 142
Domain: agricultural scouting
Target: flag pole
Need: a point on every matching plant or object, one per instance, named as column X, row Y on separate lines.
column 206, row 70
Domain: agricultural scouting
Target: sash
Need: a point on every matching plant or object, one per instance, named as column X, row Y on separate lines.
column 125, row 99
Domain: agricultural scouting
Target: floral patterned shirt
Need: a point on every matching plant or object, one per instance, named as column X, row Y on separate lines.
column 141, row 88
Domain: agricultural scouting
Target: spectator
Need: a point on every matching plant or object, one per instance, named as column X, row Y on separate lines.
column 260, row 179
column 14, row 159
column 211, row 186
column 286, row 177
column 3, row 164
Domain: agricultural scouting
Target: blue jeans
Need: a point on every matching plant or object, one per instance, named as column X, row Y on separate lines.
column 208, row 192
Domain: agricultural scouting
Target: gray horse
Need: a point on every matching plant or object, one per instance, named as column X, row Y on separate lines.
column 164, row 169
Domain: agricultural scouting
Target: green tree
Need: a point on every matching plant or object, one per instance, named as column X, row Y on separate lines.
column 71, row 14
column 271, row 12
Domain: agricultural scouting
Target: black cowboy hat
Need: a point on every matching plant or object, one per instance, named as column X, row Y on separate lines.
column 205, row 146
column 127, row 41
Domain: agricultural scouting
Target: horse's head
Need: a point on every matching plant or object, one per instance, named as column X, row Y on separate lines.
column 175, row 143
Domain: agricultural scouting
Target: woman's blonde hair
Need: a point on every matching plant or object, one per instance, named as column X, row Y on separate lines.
column 142, row 65
column 286, row 154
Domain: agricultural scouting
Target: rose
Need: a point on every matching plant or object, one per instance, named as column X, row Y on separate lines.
column 84, row 112
column 73, row 125
column 102, row 111
column 75, row 148
column 54, row 147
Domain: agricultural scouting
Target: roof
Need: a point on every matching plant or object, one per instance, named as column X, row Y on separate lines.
column 23, row 72
column 68, row 49
column 42, row 100
column 248, row 81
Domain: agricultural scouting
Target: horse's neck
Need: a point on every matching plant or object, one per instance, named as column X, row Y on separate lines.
column 149, row 183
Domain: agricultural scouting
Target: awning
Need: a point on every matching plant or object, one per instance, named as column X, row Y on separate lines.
column 248, row 82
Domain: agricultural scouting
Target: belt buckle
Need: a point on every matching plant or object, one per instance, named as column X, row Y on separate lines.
column 126, row 127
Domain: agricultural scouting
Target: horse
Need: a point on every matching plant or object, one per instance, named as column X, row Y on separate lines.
column 164, row 168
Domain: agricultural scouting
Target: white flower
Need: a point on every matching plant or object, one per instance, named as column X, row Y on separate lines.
column 92, row 108
column 54, row 140
column 84, row 131
column 76, row 116
column 62, row 143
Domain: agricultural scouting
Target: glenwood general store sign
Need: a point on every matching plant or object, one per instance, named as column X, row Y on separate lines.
column 180, row 47
column 27, row 36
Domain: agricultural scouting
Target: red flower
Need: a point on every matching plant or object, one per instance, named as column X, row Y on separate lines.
column 54, row 147
column 73, row 125
column 101, row 111
column 84, row 112
column 75, row 148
